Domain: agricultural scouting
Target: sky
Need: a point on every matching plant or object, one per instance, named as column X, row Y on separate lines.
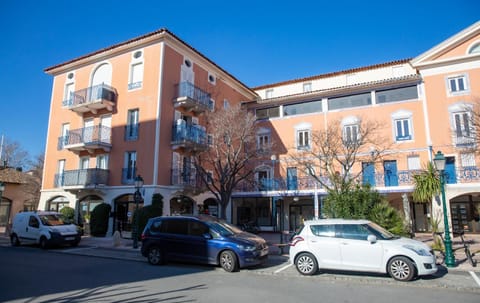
column 258, row 42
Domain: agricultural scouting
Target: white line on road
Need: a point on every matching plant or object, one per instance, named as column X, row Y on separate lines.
column 475, row 277
column 282, row 269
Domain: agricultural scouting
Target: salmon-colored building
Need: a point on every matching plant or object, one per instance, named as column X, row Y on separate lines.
column 147, row 87
column 135, row 108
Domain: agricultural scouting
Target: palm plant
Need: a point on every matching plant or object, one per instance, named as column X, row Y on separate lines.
column 426, row 184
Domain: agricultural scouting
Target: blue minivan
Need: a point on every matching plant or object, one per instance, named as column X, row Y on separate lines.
column 201, row 239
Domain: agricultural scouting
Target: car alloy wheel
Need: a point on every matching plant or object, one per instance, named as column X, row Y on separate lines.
column 401, row 269
column 306, row 264
column 228, row 261
column 154, row 256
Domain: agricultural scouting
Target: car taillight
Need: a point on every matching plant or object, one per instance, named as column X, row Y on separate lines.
column 142, row 236
column 296, row 240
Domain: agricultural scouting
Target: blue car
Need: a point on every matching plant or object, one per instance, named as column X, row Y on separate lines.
column 201, row 239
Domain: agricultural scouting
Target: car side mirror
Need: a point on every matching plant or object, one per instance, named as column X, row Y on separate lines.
column 372, row 239
column 207, row 236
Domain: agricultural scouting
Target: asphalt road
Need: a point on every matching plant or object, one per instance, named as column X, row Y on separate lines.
column 29, row 274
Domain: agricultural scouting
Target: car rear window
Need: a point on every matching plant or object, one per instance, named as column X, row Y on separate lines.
column 326, row 230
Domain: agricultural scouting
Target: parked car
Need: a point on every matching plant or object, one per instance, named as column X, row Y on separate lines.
column 201, row 239
column 358, row 245
column 44, row 228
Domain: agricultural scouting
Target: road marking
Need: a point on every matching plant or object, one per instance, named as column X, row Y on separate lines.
column 283, row 268
column 475, row 277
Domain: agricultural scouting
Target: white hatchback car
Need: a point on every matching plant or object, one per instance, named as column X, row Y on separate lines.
column 358, row 245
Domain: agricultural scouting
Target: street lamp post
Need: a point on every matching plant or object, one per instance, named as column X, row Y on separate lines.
column 137, row 196
column 439, row 160
column 278, row 216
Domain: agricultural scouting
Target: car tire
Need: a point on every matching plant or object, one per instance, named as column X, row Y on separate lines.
column 155, row 256
column 306, row 264
column 228, row 261
column 14, row 240
column 401, row 269
column 43, row 243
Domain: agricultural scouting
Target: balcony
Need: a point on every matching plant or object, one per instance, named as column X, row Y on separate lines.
column 187, row 179
column 192, row 98
column 128, row 175
column 92, row 99
column 189, row 137
column 82, row 178
column 87, row 138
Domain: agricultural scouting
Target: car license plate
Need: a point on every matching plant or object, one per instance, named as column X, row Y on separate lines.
column 69, row 238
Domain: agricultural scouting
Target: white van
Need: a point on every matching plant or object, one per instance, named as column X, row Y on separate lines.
column 44, row 228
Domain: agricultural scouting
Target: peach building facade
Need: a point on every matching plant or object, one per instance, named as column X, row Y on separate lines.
column 135, row 108
column 149, row 88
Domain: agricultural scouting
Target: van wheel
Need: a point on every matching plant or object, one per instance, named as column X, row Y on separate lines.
column 43, row 243
column 14, row 240
column 155, row 256
column 306, row 264
column 401, row 269
column 228, row 261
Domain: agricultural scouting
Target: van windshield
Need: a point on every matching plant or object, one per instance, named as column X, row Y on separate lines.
column 52, row 220
column 223, row 228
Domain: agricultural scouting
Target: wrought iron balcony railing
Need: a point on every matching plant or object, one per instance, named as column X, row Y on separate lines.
column 92, row 99
column 186, row 178
column 128, row 175
column 131, row 132
column 87, row 138
column 82, row 178
column 192, row 98
column 192, row 137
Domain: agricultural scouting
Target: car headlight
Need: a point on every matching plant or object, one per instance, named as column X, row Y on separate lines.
column 418, row 250
column 246, row 247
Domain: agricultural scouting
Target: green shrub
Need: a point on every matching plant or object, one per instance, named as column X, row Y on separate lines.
column 147, row 212
column 361, row 202
column 99, row 220
column 68, row 213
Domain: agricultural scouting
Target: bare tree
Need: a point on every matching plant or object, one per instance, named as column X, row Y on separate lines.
column 335, row 151
column 34, row 182
column 13, row 155
column 225, row 164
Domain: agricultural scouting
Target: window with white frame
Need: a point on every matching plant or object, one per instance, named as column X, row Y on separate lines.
column 226, row 104
column 462, row 125
column 131, row 129
column 102, row 161
column 129, row 167
column 307, row 87
column 413, row 162
column 351, row 134
column 136, row 71
column 403, row 129
column 269, row 93
column 457, row 84
column 68, row 94
column 303, row 139
column 263, row 142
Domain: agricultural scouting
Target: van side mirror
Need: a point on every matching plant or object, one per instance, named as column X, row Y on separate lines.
column 372, row 239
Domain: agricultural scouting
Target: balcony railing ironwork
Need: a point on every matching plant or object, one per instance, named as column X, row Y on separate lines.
column 92, row 137
column 401, row 178
column 131, row 132
column 189, row 136
column 128, row 175
column 82, row 177
column 192, row 98
column 92, row 98
column 186, row 178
